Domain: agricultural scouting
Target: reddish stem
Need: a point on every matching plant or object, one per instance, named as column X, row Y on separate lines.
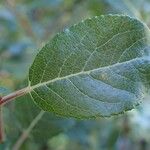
column 1, row 126
column 7, row 98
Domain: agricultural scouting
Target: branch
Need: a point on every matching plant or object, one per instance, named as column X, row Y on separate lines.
column 2, row 135
column 26, row 133
column 10, row 97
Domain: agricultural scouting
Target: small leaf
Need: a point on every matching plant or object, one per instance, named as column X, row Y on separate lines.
column 96, row 68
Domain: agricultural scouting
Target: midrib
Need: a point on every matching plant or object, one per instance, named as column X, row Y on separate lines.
column 83, row 73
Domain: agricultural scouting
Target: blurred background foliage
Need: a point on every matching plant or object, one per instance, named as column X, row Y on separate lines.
column 25, row 26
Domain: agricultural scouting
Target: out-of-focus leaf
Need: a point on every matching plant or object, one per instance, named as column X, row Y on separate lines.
column 120, row 6
column 48, row 126
column 18, row 49
column 4, row 91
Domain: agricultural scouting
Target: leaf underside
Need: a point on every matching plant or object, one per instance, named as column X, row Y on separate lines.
column 99, row 67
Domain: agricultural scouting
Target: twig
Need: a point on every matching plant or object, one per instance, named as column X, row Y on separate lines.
column 26, row 133
column 7, row 98
column 2, row 135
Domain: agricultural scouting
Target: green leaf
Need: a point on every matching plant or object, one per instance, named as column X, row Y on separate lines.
column 98, row 67
column 25, row 112
column 22, row 114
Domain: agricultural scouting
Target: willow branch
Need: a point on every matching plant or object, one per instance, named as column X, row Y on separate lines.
column 10, row 97
column 1, row 126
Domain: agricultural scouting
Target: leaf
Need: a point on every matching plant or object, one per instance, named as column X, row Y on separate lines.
column 22, row 114
column 26, row 112
column 98, row 67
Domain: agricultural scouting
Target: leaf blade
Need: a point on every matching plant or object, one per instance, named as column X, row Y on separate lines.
column 76, row 70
